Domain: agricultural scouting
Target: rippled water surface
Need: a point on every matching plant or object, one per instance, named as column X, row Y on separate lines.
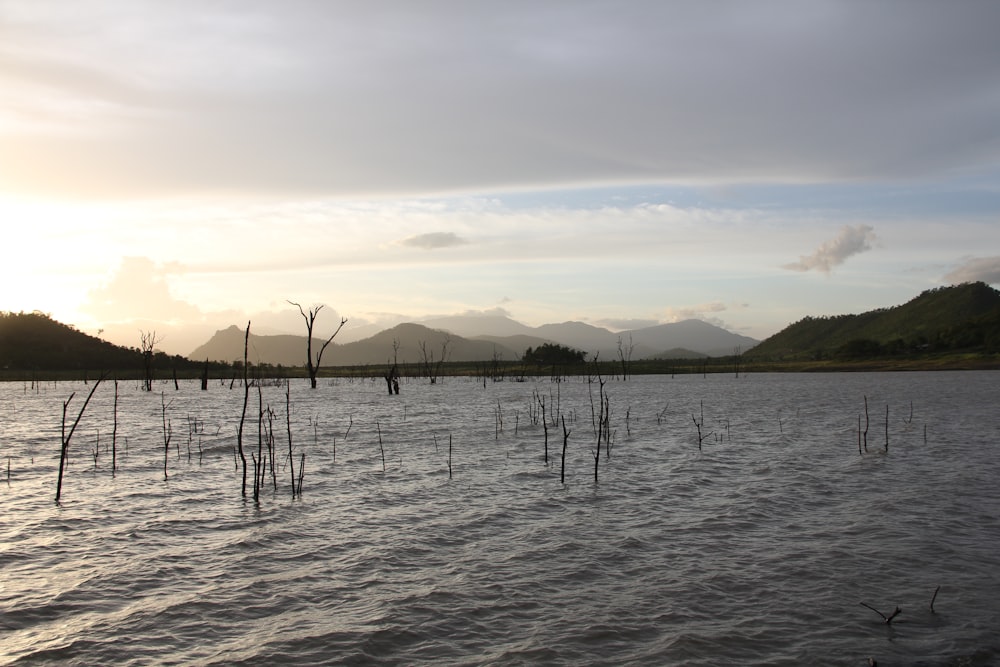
column 756, row 549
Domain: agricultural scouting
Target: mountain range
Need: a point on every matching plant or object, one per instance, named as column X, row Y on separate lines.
column 479, row 338
column 962, row 321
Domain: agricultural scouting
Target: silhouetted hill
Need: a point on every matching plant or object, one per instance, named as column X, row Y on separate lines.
column 693, row 335
column 517, row 344
column 34, row 341
column 960, row 317
column 469, row 326
column 288, row 350
column 403, row 343
column 581, row 336
column 284, row 349
column 477, row 344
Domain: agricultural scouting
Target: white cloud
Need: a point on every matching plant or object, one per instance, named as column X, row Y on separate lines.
column 433, row 241
column 850, row 241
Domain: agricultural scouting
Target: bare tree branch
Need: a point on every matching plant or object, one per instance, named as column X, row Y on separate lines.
column 887, row 619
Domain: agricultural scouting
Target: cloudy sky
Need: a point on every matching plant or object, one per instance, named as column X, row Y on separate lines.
column 182, row 166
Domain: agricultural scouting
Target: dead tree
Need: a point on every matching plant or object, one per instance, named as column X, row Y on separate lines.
column 114, row 435
column 699, row 423
column 545, row 425
column 302, row 472
column 625, row 356
column 66, row 436
column 310, row 320
column 167, row 433
column 562, row 470
column 381, row 449
column 147, row 340
column 427, row 361
column 288, row 424
column 243, row 415
column 432, row 369
column 600, row 433
column 260, row 460
column 392, row 379
column 392, row 374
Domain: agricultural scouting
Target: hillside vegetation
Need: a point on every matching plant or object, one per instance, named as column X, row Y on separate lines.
column 962, row 318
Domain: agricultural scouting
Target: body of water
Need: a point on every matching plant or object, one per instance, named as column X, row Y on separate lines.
column 756, row 548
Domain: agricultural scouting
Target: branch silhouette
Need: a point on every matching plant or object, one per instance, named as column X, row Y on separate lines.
column 887, row 619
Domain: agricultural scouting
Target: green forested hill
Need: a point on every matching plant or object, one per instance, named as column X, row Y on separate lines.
column 948, row 319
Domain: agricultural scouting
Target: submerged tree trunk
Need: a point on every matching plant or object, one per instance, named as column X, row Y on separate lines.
column 310, row 320
column 64, row 449
column 243, row 415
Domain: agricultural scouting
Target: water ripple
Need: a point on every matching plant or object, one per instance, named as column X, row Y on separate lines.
column 755, row 550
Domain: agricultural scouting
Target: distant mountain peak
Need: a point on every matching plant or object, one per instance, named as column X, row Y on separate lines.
column 482, row 334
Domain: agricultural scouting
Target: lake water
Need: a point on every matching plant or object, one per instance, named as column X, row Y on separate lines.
column 757, row 549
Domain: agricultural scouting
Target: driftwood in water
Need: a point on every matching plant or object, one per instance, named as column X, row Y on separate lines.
column 887, row 619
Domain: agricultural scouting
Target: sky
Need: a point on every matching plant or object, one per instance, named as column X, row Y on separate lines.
column 180, row 167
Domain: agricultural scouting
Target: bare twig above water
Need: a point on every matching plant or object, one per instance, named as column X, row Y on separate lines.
column 865, row 433
column 381, row 449
column 64, row 450
column 562, row 470
column 887, row 619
